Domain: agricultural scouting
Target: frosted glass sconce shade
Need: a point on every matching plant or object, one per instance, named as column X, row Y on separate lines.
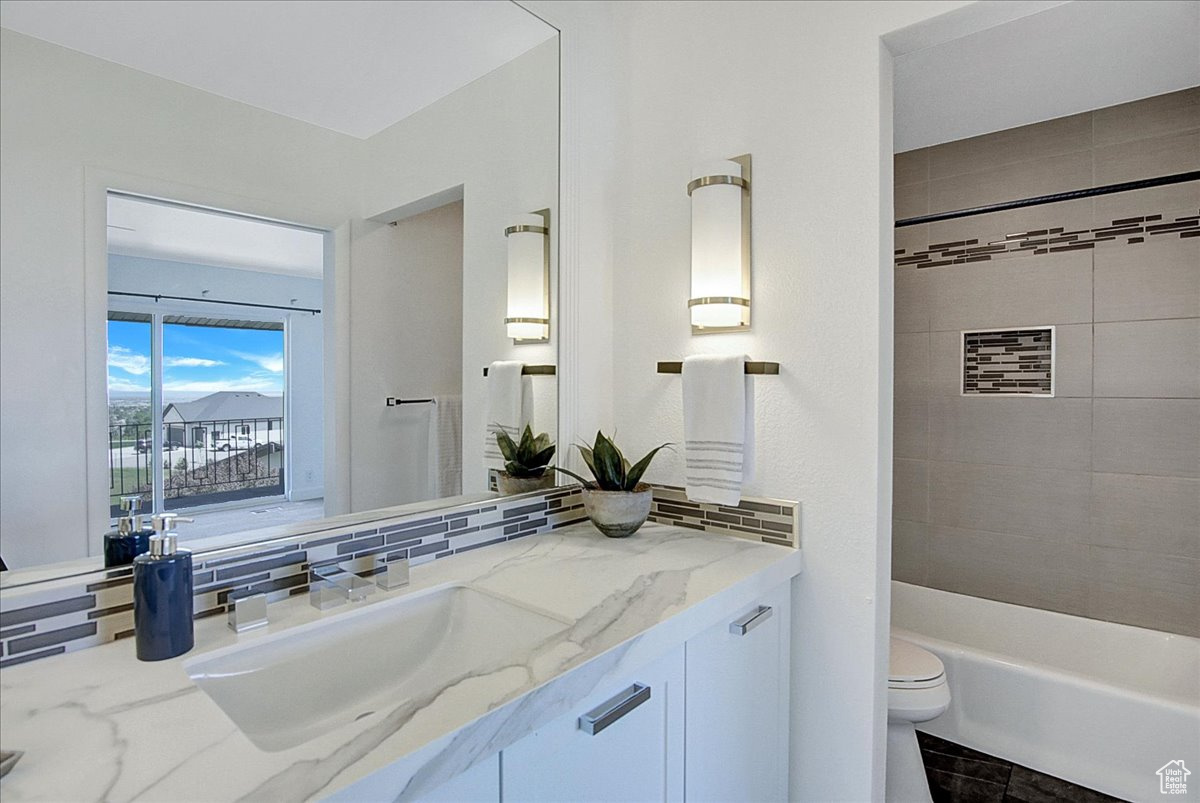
column 528, row 317
column 720, row 297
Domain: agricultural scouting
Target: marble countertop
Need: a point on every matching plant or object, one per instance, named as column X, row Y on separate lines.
column 98, row 724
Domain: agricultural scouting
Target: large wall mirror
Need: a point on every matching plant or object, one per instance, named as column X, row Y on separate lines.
column 255, row 266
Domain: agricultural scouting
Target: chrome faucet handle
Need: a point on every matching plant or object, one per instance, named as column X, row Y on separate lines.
column 247, row 612
column 343, row 579
column 392, row 574
column 323, row 595
column 357, row 588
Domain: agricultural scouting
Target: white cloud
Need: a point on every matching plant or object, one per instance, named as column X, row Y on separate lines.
column 118, row 384
column 268, row 362
column 245, row 383
column 190, row 362
column 128, row 361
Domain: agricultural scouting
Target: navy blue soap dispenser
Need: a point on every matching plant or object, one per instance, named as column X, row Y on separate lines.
column 162, row 594
column 130, row 539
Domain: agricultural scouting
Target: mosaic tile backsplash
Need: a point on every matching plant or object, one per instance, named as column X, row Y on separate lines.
column 96, row 611
column 1010, row 362
column 98, row 608
column 772, row 521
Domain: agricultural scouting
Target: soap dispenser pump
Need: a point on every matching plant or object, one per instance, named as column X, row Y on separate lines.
column 162, row 594
column 130, row 539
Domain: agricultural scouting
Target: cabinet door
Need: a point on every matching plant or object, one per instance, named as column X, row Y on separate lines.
column 635, row 753
column 480, row 784
column 737, row 705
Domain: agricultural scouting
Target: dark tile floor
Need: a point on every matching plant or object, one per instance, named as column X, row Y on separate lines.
column 958, row 774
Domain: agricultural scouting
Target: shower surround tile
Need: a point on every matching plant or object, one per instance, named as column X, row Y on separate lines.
column 1050, row 504
column 1148, row 359
column 1144, row 589
column 1151, row 117
column 909, row 551
column 1160, row 515
column 911, row 167
column 1035, row 432
column 1108, row 470
column 1058, row 137
column 1042, row 176
column 1055, row 289
column 910, row 490
column 910, row 430
column 1148, row 157
column 1012, row 568
column 1158, row 280
column 1147, row 436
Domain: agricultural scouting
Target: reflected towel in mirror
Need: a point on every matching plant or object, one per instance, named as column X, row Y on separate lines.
column 445, row 447
column 509, row 407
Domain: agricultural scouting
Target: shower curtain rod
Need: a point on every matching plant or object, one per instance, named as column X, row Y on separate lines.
column 1070, row 195
column 160, row 297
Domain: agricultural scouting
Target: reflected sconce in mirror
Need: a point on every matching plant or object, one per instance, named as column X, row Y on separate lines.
column 528, row 316
column 720, row 298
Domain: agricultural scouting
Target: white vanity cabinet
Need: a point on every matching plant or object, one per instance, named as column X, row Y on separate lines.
column 737, row 692
column 708, row 721
column 480, row 784
column 633, row 752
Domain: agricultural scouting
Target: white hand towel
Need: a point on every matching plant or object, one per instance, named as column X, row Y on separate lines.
column 445, row 446
column 718, row 428
column 509, row 407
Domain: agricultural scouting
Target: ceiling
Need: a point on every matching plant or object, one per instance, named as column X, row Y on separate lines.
column 352, row 66
column 140, row 228
column 1055, row 60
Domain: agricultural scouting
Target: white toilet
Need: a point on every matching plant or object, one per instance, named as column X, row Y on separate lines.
column 917, row 692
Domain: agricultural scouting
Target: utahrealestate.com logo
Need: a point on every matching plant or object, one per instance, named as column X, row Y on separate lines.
column 1172, row 778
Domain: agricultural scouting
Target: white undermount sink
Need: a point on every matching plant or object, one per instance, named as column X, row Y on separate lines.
column 287, row 688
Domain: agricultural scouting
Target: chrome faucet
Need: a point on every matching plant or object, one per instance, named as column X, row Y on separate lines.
column 338, row 583
column 247, row 612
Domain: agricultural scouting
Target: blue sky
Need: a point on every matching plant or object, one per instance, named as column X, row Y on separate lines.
column 197, row 360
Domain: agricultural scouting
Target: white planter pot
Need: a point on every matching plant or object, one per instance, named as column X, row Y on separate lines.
column 618, row 514
column 511, row 486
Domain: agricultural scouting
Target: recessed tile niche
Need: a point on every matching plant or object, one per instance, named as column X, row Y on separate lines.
column 1008, row 362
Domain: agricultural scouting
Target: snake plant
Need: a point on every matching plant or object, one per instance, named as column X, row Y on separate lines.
column 530, row 457
column 611, row 470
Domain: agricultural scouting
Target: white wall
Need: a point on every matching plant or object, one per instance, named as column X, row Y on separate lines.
column 804, row 88
column 305, row 347
column 406, row 340
column 1096, row 52
column 497, row 138
column 69, row 125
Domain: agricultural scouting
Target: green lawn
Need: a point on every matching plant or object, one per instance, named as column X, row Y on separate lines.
column 126, row 481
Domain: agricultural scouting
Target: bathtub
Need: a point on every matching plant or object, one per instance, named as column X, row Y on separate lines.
column 1098, row 704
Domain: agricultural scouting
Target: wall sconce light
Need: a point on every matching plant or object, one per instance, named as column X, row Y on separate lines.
column 528, row 318
column 720, row 298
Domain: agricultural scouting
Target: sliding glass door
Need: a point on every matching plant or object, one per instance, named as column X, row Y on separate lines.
column 196, row 409
column 131, row 420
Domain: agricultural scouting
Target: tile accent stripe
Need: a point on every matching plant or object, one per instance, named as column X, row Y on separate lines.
column 1120, row 232
column 1010, row 362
